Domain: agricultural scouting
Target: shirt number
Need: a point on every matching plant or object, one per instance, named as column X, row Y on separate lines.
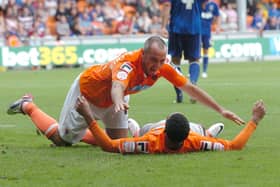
column 188, row 3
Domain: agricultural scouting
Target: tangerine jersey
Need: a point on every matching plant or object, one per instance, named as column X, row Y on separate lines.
column 154, row 141
column 96, row 81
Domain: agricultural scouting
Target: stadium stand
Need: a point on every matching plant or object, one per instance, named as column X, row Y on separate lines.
column 105, row 17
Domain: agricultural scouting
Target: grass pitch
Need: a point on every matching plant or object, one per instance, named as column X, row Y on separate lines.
column 26, row 159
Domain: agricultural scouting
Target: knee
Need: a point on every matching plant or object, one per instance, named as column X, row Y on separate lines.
column 193, row 60
column 117, row 133
column 58, row 141
column 176, row 60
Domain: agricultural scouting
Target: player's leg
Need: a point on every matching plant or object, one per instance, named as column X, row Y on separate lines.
column 191, row 48
column 179, row 93
column 133, row 127
column 45, row 123
column 175, row 51
column 205, row 47
column 197, row 128
column 72, row 126
column 89, row 138
column 213, row 131
column 116, row 123
column 205, row 63
column 147, row 127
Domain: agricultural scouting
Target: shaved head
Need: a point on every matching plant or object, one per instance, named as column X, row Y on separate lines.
column 154, row 41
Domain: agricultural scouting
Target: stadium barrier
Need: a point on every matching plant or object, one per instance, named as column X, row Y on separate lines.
column 234, row 47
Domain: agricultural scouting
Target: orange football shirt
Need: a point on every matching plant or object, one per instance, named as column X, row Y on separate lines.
column 154, row 141
column 96, row 81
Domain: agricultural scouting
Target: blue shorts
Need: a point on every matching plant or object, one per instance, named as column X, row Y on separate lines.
column 186, row 44
column 205, row 39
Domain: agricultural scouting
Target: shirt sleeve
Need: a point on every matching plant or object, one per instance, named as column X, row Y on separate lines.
column 242, row 138
column 173, row 76
column 122, row 72
column 202, row 143
column 134, row 145
column 102, row 139
column 122, row 145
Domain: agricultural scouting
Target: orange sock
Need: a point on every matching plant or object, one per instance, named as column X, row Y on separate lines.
column 89, row 138
column 42, row 121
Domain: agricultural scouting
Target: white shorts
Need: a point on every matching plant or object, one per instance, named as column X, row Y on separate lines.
column 72, row 126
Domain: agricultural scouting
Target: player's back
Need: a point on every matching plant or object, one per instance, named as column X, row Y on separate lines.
column 185, row 16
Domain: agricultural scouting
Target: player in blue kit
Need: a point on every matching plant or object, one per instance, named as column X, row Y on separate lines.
column 209, row 15
column 184, row 36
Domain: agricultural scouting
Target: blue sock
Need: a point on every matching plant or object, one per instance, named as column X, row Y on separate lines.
column 179, row 93
column 194, row 70
column 205, row 63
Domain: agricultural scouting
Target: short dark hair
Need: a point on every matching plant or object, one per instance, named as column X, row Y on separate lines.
column 177, row 127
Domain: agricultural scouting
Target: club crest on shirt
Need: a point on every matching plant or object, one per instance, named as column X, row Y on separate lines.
column 122, row 75
column 126, row 67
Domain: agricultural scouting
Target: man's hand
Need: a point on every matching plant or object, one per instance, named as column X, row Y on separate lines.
column 121, row 106
column 117, row 94
column 164, row 33
column 258, row 111
column 83, row 108
column 232, row 116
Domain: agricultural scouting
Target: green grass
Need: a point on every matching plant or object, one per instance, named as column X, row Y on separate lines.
column 26, row 159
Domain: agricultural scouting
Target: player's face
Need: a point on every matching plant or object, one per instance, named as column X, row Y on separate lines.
column 153, row 60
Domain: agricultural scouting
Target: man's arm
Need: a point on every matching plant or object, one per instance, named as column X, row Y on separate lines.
column 117, row 94
column 137, row 145
column 195, row 92
column 217, row 22
column 165, row 14
column 257, row 115
column 102, row 139
column 206, row 99
column 202, row 143
column 217, row 19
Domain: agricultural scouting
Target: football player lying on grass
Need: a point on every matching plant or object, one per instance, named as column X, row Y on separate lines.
column 213, row 131
column 175, row 137
column 49, row 127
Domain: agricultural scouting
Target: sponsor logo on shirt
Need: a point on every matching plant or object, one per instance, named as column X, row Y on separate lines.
column 122, row 75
